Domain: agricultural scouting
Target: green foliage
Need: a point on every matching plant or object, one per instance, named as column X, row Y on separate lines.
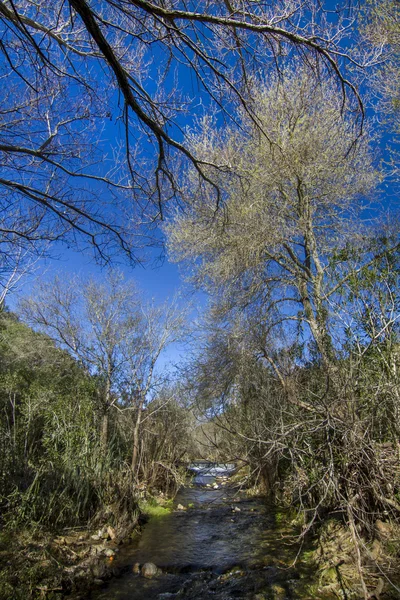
column 50, row 468
column 54, row 468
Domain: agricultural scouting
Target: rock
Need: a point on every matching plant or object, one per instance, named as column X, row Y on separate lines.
column 236, row 509
column 216, row 486
column 95, row 537
column 149, row 570
column 181, row 507
column 379, row 589
column 383, row 530
column 109, row 552
column 136, row 568
column 99, row 570
column 60, row 541
column 279, row 592
column 376, row 549
column 112, row 534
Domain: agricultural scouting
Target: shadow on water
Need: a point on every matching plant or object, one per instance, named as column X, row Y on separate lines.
column 225, row 545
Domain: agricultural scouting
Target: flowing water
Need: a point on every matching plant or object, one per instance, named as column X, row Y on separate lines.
column 224, row 546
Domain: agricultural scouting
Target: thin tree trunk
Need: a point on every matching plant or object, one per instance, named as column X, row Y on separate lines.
column 104, row 433
column 136, row 431
column 105, row 418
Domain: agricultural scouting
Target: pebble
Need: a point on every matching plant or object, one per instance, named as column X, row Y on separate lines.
column 136, row 568
column 149, row 570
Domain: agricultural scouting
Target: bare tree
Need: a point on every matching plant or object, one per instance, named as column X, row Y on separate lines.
column 119, row 340
column 160, row 326
column 289, row 199
column 20, row 263
column 71, row 67
column 94, row 322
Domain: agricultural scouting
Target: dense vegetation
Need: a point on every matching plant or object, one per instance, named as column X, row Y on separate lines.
column 55, row 470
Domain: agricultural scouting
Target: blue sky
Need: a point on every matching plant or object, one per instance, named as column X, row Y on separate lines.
column 163, row 280
column 157, row 280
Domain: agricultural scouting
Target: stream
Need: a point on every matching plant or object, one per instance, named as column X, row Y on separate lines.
column 225, row 545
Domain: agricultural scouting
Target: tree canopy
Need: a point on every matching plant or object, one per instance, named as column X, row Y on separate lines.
column 97, row 96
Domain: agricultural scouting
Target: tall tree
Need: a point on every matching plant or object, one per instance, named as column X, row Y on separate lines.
column 289, row 197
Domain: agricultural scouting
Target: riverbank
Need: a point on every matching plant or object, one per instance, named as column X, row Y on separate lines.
column 43, row 565
column 216, row 539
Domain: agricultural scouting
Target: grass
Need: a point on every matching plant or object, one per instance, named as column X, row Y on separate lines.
column 151, row 509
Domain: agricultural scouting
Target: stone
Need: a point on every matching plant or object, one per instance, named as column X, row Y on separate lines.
column 180, row 507
column 136, row 568
column 379, row 588
column 149, row 570
column 236, row 509
column 112, row 534
column 109, row 552
column 384, row 530
column 279, row 592
column 99, row 570
column 376, row 549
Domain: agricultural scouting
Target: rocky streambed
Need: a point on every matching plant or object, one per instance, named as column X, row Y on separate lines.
column 217, row 543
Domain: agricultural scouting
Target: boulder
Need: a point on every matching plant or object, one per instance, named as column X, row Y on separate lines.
column 149, row 570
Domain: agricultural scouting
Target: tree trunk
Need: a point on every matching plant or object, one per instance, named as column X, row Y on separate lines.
column 136, row 431
column 104, row 434
column 105, row 418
